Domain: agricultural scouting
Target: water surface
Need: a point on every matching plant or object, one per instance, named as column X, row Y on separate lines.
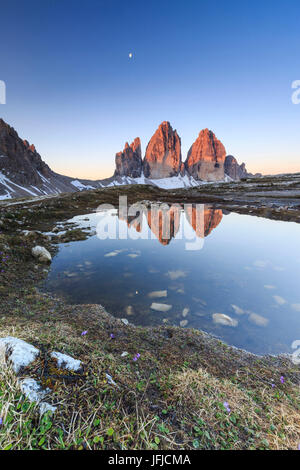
column 248, row 268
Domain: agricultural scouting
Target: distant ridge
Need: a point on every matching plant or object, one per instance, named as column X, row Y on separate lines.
column 24, row 173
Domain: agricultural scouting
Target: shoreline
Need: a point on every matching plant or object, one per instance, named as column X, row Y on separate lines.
column 179, row 383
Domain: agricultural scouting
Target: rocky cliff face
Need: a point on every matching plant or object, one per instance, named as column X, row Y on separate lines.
column 163, row 153
column 129, row 162
column 24, row 173
column 236, row 171
column 20, row 159
column 206, row 157
column 233, row 169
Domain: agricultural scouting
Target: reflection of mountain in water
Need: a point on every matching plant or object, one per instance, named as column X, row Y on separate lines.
column 165, row 224
column 212, row 218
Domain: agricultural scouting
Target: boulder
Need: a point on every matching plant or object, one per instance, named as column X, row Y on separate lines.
column 41, row 254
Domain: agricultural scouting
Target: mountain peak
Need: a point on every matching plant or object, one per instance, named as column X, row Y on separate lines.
column 129, row 162
column 163, row 153
column 206, row 157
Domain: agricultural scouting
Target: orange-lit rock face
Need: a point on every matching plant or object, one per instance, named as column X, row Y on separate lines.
column 129, row 162
column 164, row 224
column 206, row 157
column 212, row 218
column 163, row 153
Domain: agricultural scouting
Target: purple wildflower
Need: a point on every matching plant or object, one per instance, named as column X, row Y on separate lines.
column 1, row 421
column 226, row 406
column 112, row 336
column 282, row 379
column 84, row 333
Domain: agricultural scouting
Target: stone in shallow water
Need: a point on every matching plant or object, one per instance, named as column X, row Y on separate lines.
column 173, row 275
column 260, row 263
column 111, row 254
column 158, row 294
column 200, row 301
column 258, row 319
column 19, row 353
column 129, row 310
column 296, row 307
column 185, row 312
column 160, row 307
column 279, row 300
column 183, row 323
column 224, row 320
column 237, row 310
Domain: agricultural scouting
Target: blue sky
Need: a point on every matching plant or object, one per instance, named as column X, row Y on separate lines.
column 73, row 91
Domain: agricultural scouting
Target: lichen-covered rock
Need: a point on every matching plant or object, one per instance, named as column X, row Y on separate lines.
column 163, row 153
column 206, row 157
column 41, row 254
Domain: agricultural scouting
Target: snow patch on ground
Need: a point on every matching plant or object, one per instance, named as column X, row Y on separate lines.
column 5, row 181
column 66, row 362
column 42, row 177
column 20, row 353
column 5, row 196
column 34, row 392
column 175, row 182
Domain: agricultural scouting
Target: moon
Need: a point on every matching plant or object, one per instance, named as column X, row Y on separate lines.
column 130, row 55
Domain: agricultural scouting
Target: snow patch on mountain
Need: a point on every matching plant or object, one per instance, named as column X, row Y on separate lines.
column 81, row 186
column 174, row 182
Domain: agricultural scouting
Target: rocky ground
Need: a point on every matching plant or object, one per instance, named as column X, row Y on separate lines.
column 175, row 388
